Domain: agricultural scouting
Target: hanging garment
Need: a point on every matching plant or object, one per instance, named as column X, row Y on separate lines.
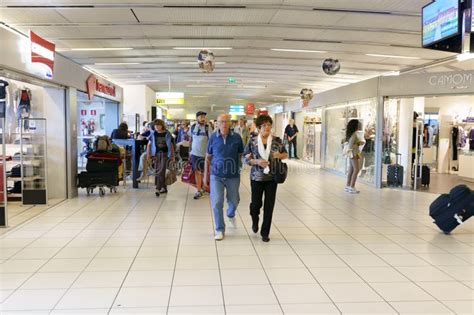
column 454, row 142
column 462, row 138
column 471, row 139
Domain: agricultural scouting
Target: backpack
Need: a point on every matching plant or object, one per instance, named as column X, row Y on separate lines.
column 103, row 144
column 206, row 126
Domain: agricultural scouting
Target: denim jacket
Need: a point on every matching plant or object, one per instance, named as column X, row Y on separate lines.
column 169, row 143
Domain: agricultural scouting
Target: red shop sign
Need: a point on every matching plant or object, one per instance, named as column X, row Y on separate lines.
column 95, row 85
column 42, row 52
column 249, row 108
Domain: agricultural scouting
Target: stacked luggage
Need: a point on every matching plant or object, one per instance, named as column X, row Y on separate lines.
column 102, row 168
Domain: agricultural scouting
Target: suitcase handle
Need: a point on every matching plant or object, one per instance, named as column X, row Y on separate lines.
column 458, row 218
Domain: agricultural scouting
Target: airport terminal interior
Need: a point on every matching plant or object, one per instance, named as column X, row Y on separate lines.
column 236, row 157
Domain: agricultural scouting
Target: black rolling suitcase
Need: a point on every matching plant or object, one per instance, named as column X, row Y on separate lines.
column 425, row 175
column 395, row 174
column 102, row 162
column 451, row 210
column 90, row 180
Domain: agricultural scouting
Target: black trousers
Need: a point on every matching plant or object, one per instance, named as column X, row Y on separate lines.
column 293, row 144
column 268, row 188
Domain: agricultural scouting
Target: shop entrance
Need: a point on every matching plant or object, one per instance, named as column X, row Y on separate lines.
column 309, row 123
column 96, row 117
column 33, row 135
column 432, row 134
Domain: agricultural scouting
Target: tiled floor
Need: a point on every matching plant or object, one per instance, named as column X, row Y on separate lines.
column 330, row 253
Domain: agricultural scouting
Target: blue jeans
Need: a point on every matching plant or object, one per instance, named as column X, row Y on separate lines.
column 218, row 185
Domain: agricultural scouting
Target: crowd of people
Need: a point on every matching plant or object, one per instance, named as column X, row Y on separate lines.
column 217, row 150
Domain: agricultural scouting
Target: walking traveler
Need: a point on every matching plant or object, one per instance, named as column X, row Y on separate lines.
column 352, row 151
column 260, row 153
column 161, row 149
column 199, row 134
column 224, row 152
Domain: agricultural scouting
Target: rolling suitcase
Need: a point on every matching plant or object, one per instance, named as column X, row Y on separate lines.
column 451, row 210
column 425, row 175
column 395, row 173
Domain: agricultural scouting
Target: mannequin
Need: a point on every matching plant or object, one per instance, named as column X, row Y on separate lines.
column 23, row 106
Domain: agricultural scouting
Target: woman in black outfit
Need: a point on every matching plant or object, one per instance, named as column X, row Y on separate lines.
column 260, row 152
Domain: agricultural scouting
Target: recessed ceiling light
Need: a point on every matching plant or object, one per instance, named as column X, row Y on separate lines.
column 392, row 56
column 199, row 48
column 95, row 49
column 300, row 50
column 465, row 56
column 116, row 63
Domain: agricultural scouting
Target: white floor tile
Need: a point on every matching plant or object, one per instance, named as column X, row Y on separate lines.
column 380, row 308
column 21, row 266
column 65, row 265
column 401, row 291
column 139, row 310
column 12, row 281
column 426, row 273
column 110, row 264
column 322, row 261
column 460, row 307
column 243, row 277
column 300, row 293
column 103, row 279
column 249, row 295
column 351, row 292
column 196, row 263
column 196, row 277
column 36, row 253
column 321, row 308
column 143, row 297
column 335, row 275
column 363, row 261
column 426, row 307
column 75, row 252
column 59, row 280
column 184, row 310
column 158, row 251
column 24, row 300
column 291, row 261
column 149, row 278
column 96, row 311
column 253, row 309
column 380, row 274
column 239, row 262
column 196, row 295
column 117, row 252
column 88, row 298
column 449, row 291
column 290, row 276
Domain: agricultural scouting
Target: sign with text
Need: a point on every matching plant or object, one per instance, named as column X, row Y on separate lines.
column 42, row 51
column 169, row 98
column 95, row 84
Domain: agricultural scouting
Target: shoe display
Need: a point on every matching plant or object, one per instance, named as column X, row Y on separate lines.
column 219, row 236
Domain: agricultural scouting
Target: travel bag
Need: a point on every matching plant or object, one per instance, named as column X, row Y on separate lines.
column 451, row 210
column 395, row 173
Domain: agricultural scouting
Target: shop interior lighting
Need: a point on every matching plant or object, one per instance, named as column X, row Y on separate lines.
column 465, row 56
column 300, row 50
column 199, row 48
column 392, row 56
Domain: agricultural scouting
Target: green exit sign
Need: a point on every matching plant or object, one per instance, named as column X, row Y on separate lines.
column 232, row 80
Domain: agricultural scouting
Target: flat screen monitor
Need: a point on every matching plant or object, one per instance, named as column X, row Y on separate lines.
column 441, row 20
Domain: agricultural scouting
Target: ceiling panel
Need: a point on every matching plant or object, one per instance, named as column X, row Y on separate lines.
column 97, row 15
column 11, row 16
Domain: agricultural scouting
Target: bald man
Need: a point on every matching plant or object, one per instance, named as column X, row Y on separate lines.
column 224, row 153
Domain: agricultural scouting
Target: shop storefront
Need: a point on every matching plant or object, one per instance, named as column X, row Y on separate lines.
column 309, row 123
column 39, row 129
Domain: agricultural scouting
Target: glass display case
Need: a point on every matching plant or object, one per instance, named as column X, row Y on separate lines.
column 337, row 117
column 33, row 161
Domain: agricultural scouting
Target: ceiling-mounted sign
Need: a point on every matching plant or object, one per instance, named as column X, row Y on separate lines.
column 236, row 110
column 249, row 108
column 42, row 51
column 169, row 98
column 95, row 84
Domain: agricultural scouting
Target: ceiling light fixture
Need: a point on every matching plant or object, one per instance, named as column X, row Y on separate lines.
column 392, row 56
column 116, row 63
column 199, row 48
column 465, row 56
column 392, row 74
column 300, row 50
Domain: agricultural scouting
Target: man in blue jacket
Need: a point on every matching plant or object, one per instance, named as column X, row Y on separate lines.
column 224, row 152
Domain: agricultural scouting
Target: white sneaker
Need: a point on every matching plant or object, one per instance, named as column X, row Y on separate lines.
column 219, row 236
column 232, row 222
column 353, row 191
column 347, row 188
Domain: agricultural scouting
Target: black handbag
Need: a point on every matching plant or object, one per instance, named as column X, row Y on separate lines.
column 279, row 170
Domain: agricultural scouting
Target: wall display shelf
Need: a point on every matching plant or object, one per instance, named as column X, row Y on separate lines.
column 33, row 161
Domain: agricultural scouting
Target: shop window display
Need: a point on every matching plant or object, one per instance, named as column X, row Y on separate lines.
column 337, row 117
